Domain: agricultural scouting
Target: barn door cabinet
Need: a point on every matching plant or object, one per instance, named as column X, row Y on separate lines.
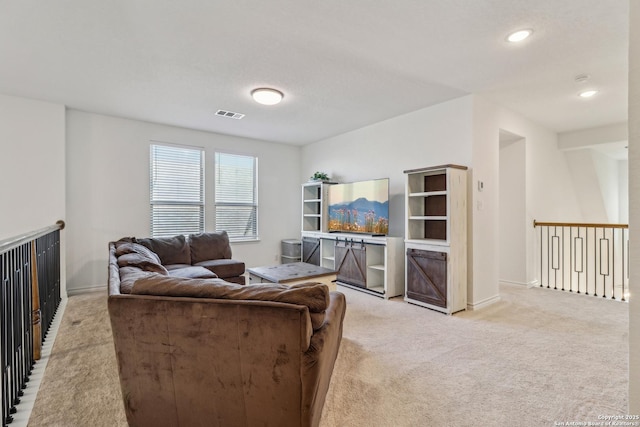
column 436, row 237
column 372, row 264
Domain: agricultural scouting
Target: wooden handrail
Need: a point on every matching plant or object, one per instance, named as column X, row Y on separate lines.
column 577, row 224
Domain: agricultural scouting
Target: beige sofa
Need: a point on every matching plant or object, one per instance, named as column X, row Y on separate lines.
column 205, row 352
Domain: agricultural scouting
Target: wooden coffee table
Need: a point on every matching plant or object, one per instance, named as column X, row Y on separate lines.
column 293, row 273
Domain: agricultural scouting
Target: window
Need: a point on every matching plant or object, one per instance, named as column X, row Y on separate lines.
column 236, row 196
column 177, row 190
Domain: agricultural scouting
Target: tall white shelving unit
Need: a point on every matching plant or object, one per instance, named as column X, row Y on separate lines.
column 314, row 206
column 436, row 237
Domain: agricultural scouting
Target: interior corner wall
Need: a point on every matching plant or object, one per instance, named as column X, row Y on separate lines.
column 32, row 167
column 634, row 207
column 108, row 189
column 550, row 194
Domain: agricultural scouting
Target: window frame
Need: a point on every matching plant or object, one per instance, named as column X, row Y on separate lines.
column 174, row 202
column 255, row 204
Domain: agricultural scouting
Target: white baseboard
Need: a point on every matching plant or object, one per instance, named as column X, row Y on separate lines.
column 530, row 284
column 533, row 284
column 513, row 282
column 88, row 289
column 484, row 303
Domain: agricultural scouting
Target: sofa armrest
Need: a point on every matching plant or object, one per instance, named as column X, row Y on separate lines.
column 319, row 359
column 113, row 272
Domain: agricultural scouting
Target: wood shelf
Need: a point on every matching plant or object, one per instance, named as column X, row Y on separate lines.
column 435, row 238
column 428, row 194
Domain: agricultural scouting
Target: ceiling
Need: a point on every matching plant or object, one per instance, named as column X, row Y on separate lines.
column 341, row 64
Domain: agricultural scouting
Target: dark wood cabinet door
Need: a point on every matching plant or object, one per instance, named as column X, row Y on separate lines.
column 427, row 276
column 351, row 263
column 311, row 250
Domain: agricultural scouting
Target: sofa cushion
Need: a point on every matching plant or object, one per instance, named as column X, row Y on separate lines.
column 171, row 267
column 171, row 250
column 135, row 248
column 313, row 295
column 141, row 261
column 192, row 272
column 240, row 280
column 128, row 276
column 208, row 246
column 224, row 268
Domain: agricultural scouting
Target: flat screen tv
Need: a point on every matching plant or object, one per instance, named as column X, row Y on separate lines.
column 360, row 207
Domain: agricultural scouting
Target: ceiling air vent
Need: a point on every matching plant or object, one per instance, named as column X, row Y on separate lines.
column 229, row 114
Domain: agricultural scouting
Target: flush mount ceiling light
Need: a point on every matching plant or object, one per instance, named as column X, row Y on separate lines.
column 587, row 93
column 267, row 96
column 519, row 35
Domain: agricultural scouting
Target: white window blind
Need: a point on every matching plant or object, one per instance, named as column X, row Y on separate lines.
column 236, row 196
column 177, row 190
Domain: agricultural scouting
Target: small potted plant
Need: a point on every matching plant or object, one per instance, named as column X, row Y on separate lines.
column 319, row 176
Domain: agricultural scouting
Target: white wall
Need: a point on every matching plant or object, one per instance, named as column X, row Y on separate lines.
column 512, row 213
column 32, row 165
column 596, row 185
column 593, row 137
column 593, row 156
column 550, row 194
column 623, row 188
column 606, row 169
column 108, row 189
column 634, row 207
column 32, row 168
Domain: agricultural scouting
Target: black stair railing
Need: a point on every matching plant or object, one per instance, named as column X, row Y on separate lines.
column 29, row 298
column 585, row 258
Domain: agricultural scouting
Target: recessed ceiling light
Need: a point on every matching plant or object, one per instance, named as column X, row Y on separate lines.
column 519, row 35
column 588, row 93
column 267, row 96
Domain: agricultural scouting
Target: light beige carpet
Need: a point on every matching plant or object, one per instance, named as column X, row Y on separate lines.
column 535, row 358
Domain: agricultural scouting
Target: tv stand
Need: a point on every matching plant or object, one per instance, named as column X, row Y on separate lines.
column 368, row 263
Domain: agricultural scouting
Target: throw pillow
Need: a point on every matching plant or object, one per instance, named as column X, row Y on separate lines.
column 141, row 261
column 208, row 246
column 135, row 248
column 171, row 250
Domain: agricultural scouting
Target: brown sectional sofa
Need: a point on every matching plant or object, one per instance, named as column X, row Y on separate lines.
column 207, row 352
column 204, row 255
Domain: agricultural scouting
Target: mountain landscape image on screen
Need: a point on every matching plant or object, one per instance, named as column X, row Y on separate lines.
column 360, row 216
